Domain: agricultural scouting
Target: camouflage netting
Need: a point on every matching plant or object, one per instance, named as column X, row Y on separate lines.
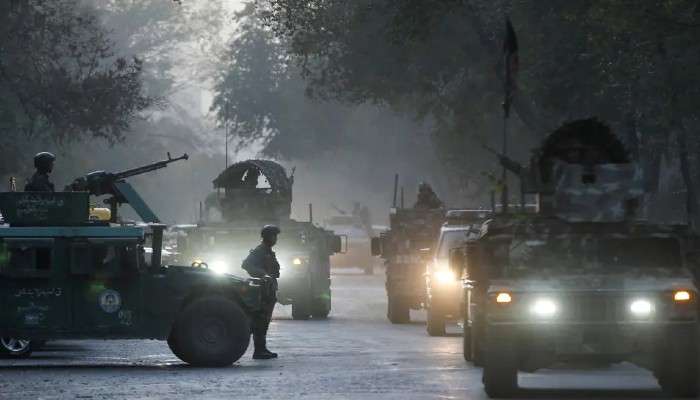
column 582, row 172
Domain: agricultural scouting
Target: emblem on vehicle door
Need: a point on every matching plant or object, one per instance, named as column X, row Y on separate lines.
column 110, row 301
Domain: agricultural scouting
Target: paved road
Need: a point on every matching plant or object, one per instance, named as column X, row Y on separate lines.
column 356, row 354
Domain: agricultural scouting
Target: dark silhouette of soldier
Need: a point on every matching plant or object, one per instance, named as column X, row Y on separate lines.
column 262, row 263
column 427, row 199
column 40, row 182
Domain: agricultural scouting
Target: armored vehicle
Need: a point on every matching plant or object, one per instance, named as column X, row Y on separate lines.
column 249, row 195
column 406, row 249
column 582, row 279
column 443, row 296
column 64, row 276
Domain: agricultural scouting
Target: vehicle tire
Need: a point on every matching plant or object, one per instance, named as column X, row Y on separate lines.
column 679, row 367
column 398, row 311
column 320, row 310
column 369, row 269
column 500, row 374
column 211, row 332
column 15, row 348
column 477, row 333
column 300, row 312
column 435, row 323
column 174, row 344
column 467, row 342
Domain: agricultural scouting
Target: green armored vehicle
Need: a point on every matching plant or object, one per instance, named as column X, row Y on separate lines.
column 249, row 195
column 63, row 276
column 582, row 279
column 406, row 250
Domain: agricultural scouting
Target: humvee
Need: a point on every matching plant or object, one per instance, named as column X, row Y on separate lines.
column 249, row 195
column 584, row 278
column 63, row 276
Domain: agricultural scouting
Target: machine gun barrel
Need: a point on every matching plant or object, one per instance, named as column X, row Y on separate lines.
column 148, row 168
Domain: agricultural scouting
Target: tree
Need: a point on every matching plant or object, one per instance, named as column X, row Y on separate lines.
column 60, row 79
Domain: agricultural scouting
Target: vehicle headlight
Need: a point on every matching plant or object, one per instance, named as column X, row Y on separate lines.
column 503, row 298
column 297, row 261
column 544, row 308
column 444, row 276
column 681, row 296
column 219, row 266
column 641, row 308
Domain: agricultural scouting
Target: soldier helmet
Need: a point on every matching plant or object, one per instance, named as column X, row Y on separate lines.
column 269, row 230
column 44, row 160
column 424, row 187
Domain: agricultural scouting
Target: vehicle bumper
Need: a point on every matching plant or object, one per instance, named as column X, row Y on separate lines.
column 445, row 298
column 572, row 340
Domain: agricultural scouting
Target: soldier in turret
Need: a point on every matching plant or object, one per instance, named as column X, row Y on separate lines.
column 40, row 182
column 427, row 199
column 262, row 263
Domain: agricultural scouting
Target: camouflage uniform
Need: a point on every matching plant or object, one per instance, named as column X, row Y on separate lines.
column 262, row 263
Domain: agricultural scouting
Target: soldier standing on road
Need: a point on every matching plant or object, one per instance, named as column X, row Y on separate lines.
column 40, row 182
column 262, row 263
column 427, row 199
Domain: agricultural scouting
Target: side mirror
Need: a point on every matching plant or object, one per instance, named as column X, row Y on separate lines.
column 457, row 261
column 376, row 246
column 336, row 245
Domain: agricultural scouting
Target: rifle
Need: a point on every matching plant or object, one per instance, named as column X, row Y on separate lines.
column 101, row 182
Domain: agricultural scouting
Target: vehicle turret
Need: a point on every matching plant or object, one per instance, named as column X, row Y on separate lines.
column 581, row 172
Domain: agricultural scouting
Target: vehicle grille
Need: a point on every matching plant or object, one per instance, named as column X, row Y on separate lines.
column 595, row 308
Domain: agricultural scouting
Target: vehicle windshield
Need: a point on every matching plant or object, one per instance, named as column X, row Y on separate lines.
column 453, row 239
column 601, row 255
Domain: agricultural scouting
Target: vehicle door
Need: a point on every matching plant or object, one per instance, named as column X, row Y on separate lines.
column 33, row 288
column 107, row 275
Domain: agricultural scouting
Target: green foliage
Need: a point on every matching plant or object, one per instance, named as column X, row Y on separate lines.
column 59, row 77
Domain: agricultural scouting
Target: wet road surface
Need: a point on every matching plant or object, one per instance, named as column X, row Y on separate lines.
column 355, row 354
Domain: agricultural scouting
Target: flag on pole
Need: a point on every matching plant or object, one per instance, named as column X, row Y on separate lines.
column 510, row 65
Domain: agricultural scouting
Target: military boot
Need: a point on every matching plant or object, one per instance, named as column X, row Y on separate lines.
column 261, row 352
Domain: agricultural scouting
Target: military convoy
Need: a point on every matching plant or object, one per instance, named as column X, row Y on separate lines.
column 248, row 195
column 64, row 275
column 583, row 279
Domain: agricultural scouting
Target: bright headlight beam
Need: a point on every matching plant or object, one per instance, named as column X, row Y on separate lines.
column 296, row 261
column 544, row 308
column 444, row 276
column 219, row 267
column 504, row 298
column 641, row 308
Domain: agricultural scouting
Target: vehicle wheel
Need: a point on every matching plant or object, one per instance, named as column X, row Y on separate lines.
column 398, row 312
column 369, row 269
column 15, row 348
column 477, row 337
column 174, row 344
column 435, row 323
column 467, row 342
column 679, row 367
column 211, row 332
column 500, row 374
column 320, row 310
column 300, row 312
